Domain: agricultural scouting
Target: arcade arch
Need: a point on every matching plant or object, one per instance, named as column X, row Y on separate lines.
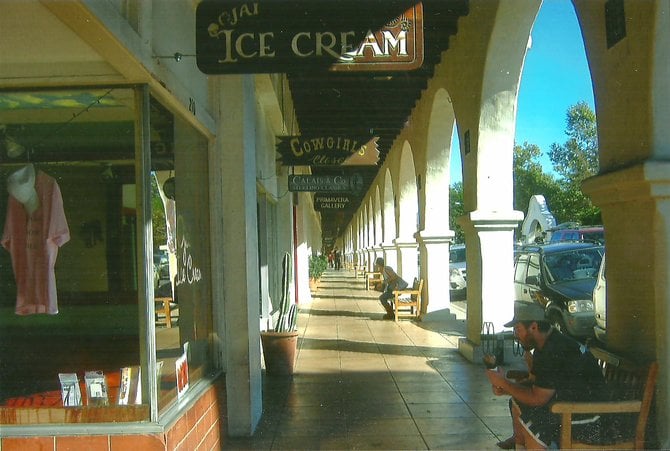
column 408, row 215
column 481, row 73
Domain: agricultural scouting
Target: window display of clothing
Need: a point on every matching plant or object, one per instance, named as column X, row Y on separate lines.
column 35, row 228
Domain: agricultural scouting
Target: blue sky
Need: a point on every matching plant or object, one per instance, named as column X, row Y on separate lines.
column 555, row 77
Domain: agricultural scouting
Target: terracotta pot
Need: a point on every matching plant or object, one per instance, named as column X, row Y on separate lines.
column 313, row 284
column 279, row 351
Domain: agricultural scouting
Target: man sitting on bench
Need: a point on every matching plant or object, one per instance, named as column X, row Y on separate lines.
column 562, row 372
column 391, row 281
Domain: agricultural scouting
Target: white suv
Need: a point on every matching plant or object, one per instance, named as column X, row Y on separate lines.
column 457, row 271
column 600, row 305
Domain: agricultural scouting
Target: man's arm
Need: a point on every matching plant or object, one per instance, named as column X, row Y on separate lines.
column 529, row 395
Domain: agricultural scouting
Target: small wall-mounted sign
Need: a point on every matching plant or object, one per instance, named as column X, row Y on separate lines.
column 332, row 202
column 298, row 35
column 350, row 183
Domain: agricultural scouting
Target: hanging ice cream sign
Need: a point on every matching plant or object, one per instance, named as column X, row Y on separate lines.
column 328, row 150
column 298, row 35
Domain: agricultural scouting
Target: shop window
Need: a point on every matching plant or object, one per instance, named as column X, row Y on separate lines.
column 180, row 200
column 73, row 300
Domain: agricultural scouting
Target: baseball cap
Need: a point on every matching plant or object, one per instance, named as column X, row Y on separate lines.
column 526, row 311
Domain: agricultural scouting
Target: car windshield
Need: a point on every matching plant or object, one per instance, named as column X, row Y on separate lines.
column 457, row 255
column 573, row 264
column 596, row 237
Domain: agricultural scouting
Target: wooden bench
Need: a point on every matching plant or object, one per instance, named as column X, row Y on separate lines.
column 372, row 278
column 407, row 302
column 632, row 387
column 164, row 307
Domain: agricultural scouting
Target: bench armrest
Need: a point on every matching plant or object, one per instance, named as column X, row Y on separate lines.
column 399, row 293
column 564, row 407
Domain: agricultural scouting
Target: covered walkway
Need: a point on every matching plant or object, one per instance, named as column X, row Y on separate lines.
column 366, row 383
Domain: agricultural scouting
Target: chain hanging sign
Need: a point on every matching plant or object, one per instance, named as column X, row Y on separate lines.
column 328, row 150
column 298, row 35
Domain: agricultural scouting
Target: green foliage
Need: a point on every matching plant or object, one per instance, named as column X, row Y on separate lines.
column 317, row 266
column 158, row 215
column 577, row 159
column 529, row 179
column 573, row 161
column 456, row 210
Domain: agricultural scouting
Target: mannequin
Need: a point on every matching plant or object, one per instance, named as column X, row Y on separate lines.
column 21, row 185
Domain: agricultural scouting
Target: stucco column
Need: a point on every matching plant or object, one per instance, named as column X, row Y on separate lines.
column 490, row 260
column 408, row 267
column 241, row 292
column 378, row 253
column 360, row 259
column 390, row 255
column 635, row 205
column 370, row 258
column 434, row 254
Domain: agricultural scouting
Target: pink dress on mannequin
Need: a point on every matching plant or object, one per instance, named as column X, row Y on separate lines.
column 34, row 230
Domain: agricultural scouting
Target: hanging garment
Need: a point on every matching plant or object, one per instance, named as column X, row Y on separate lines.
column 33, row 240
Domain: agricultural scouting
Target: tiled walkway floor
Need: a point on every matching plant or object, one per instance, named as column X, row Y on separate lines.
column 362, row 382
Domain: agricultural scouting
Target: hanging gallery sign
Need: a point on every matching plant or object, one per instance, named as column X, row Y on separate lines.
column 328, row 150
column 350, row 183
column 234, row 37
column 332, row 202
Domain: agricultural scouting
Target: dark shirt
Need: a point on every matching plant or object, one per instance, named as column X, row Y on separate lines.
column 560, row 365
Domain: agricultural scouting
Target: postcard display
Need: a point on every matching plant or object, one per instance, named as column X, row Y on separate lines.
column 130, row 386
column 96, row 389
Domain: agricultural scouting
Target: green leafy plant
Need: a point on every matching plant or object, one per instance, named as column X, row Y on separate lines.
column 317, row 266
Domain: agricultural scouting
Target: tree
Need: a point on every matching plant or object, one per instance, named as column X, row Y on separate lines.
column 575, row 161
column 529, row 179
column 157, row 215
column 456, row 210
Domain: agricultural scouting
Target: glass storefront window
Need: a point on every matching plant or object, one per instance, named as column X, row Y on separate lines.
column 72, row 304
column 180, row 196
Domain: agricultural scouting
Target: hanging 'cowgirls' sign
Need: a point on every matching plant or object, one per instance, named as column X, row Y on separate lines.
column 273, row 36
column 328, row 150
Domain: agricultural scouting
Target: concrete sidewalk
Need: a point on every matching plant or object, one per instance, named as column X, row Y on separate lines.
column 362, row 382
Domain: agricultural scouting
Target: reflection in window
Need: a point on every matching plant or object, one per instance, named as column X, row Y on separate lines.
column 181, row 251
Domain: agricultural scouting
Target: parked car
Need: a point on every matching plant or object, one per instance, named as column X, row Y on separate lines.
column 161, row 268
column 561, row 277
column 457, row 268
column 600, row 305
column 595, row 234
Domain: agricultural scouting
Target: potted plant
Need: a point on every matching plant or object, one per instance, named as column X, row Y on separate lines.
column 280, row 344
column 317, row 266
